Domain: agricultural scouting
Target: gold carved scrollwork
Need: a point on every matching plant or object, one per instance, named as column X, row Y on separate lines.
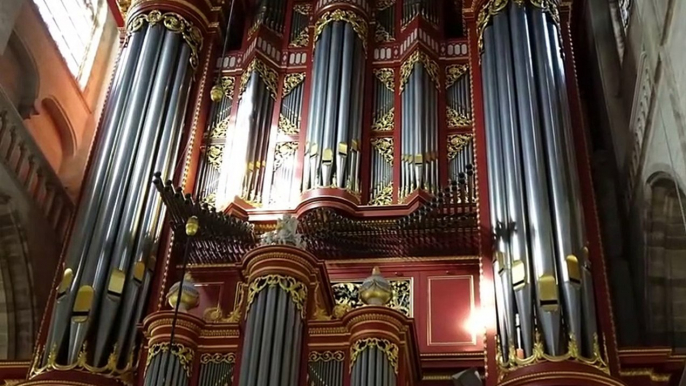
column 512, row 362
column 282, row 151
column 286, row 126
column 494, row 7
column 218, row 358
column 383, row 345
column 172, row 22
column 291, row 81
column 228, row 85
column 220, row 129
column 303, row 9
column 215, row 154
column 383, row 4
column 454, row 72
column 381, row 35
column 109, row 370
column 326, row 356
column 384, row 197
column 302, row 40
column 386, row 122
column 356, row 22
column 386, row 76
column 457, row 142
column 269, row 77
column 408, row 66
column 294, row 288
column 456, row 119
column 182, row 353
column 347, row 297
column 385, row 147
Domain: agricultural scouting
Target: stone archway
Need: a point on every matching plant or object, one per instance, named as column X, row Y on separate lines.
column 17, row 301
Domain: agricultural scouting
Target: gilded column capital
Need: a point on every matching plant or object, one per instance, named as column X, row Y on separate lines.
column 197, row 12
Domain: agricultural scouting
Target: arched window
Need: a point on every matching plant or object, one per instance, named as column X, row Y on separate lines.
column 76, row 26
column 665, row 264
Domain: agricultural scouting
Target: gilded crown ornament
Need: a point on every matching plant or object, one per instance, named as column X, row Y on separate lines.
column 285, row 233
column 376, row 290
column 189, row 295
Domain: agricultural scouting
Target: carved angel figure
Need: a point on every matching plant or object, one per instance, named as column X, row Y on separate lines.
column 285, row 233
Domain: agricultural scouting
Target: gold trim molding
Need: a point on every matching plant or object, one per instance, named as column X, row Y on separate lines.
column 268, row 75
column 384, row 345
column 294, row 288
column 218, row 358
column 358, row 24
column 172, row 22
column 326, row 356
column 408, row 67
column 181, row 352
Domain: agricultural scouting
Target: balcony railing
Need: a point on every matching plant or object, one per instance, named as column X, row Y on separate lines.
column 23, row 160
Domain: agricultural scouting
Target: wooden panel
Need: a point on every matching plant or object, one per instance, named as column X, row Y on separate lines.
column 217, row 287
column 450, row 302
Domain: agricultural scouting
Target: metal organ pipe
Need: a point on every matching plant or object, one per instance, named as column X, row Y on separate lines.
column 335, row 111
column 535, row 193
column 111, row 256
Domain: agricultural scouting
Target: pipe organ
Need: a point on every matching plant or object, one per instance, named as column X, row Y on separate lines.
column 238, row 199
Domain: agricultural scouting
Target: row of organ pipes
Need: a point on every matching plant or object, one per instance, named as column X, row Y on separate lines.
column 542, row 270
column 332, row 140
column 109, row 260
column 429, row 9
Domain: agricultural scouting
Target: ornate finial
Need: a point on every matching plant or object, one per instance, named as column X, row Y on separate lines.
column 192, row 226
column 285, row 233
column 189, row 295
column 376, row 290
column 217, row 93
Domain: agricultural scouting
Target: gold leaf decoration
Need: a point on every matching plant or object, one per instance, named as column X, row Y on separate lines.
column 384, row 197
column 215, row 155
column 286, row 126
column 457, row 142
column 326, row 356
column 294, row 288
column 303, row 9
column 386, row 76
column 172, row 22
column 386, row 122
column 384, row 345
column 359, row 25
column 182, row 353
column 218, row 358
column 346, row 295
column 291, row 81
column 268, row 76
column 302, row 40
column 408, row 66
column 385, row 147
column 457, row 119
column 454, row 72
column 383, row 4
column 381, row 35
column 228, row 84
column 220, row 129
column 282, row 151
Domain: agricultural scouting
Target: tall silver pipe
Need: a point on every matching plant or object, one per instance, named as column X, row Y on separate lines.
column 94, row 186
column 316, row 125
column 331, row 110
column 276, row 366
column 139, row 188
column 516, row 224
column 496, row 180
column 344, row 106
column 91, row 278
column 560, row 192
column 265, row 347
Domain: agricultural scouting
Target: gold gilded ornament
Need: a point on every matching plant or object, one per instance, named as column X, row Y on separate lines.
column 386, row 122
column 390, row 350
column 182, row 353
column 268, row 76
column 218, row 358
column 408, row 67
column 283, row 151
column 216, row 93
column 384, row 197
column 386, row 76
column 302, row 40
column 287, row 127
column 326, row 356
column 291, row 81
column 457, row 119
column 376, row 290
column 215, row 154
column 356, row 22
column 454, row 72
column 189, row 295
column 385, row 148
column 457, row 142
column 294, row 288
column 381, row 35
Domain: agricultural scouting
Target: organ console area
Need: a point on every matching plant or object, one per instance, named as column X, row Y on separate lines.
column 344, row 192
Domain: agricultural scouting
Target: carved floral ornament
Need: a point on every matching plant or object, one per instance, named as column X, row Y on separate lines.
column 294, row 288
column 356, row 22
column 494, row 7
column 390, row 350
column 407, row 68
column 267, row 74
column 172, row 22
column 182, row 353
column 326, row 356
column 109, row 370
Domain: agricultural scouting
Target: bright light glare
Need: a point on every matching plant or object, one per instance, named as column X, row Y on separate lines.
column 234, row 165
column 476, row 322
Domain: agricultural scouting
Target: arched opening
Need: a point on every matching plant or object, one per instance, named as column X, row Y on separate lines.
column 19, row 76
column 18, row 315
column 665, row 263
